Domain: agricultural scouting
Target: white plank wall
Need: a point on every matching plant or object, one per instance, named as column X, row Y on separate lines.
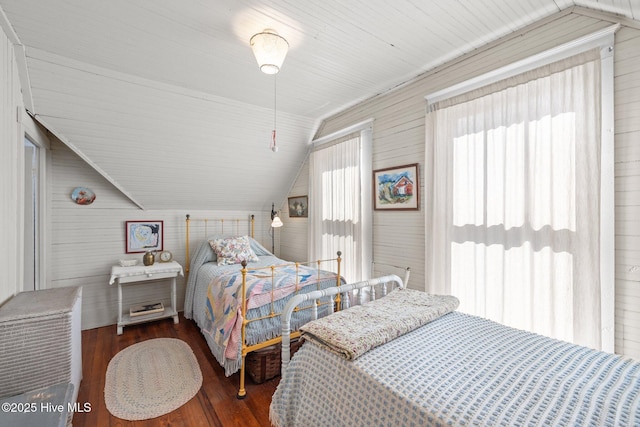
column 627, row 172
column 87, row 240
column 399, row 138
column 11, row 155
column 293, row 236
column 105, row 113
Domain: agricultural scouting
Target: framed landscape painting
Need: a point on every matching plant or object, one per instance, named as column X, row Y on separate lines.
column 142, row 236
column 396, row 188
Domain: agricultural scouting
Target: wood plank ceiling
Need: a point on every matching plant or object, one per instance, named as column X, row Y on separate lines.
column 165, row 99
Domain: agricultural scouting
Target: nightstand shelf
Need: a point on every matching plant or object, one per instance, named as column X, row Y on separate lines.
column 168, row 312
column 139, row 274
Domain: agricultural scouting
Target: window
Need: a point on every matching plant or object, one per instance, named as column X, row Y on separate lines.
column 340, row 200
column 518, row 229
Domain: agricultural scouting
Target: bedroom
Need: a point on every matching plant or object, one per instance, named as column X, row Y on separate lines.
column 84, row 241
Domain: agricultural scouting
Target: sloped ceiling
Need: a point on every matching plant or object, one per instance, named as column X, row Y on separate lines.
column 164, row 97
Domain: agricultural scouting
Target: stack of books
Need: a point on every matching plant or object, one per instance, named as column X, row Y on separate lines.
column 141, row 310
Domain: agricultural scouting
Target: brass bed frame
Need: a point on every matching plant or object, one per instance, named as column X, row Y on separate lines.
column 246, row 349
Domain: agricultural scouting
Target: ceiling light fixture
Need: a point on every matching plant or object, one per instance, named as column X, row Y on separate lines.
column 270, row 49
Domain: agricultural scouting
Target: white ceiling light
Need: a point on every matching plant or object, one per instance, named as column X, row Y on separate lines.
column 270, row 49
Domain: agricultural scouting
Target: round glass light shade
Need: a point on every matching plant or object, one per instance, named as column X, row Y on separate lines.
column 270, row 49
column 277, row 222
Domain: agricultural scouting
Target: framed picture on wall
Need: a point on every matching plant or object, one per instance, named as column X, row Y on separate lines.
column 142, row 236
column 298, row 207
column 396, row 188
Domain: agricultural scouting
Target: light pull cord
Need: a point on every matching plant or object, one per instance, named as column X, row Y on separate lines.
column 273, row 145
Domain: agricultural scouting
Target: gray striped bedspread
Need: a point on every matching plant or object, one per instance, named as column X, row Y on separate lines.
column 460, row 370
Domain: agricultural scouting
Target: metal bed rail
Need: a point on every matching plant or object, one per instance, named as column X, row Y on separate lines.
column 314, row 296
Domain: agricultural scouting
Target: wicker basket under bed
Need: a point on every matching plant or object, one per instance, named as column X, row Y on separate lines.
column 264, row 364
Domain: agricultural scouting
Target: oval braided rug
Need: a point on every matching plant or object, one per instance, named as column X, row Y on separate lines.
column 151, row 378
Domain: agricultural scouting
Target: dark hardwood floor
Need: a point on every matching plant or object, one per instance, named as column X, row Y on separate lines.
column 214, row 405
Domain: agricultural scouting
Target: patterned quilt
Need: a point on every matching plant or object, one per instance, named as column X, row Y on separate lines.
column 460, row 370
column 223, row 307
column 353, row 332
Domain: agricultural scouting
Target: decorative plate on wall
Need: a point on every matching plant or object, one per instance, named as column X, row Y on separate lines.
column 83, row 196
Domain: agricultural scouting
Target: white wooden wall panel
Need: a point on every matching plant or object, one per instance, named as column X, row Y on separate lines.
column 398, row 138
column 293, row 237
column 133, row 124
column 627, row 123
column 627, row 331
column 11, row 175
column 87, row 240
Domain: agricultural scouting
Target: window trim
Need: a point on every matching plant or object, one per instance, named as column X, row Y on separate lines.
column 32, row 131
column 604, row 39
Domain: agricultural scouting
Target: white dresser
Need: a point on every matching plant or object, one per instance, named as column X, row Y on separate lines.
column 40, row 341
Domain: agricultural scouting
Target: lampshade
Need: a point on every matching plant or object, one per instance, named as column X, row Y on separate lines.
column 270, row 50
column 277, row 222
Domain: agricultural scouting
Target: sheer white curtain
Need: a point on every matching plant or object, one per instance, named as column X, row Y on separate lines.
column 513, row 227
column 335, row 205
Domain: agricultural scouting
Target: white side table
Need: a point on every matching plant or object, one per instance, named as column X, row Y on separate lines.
column 138, row 274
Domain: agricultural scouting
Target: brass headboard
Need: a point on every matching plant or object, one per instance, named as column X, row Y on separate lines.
column 217, row 221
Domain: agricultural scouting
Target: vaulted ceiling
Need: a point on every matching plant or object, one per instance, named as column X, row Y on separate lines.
column 170, row 91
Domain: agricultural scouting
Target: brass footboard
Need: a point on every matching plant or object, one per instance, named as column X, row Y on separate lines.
column 238, row 226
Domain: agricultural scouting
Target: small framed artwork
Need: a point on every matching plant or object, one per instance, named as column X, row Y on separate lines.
column 298, row 207
column 142, row 236
column 396, row 188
